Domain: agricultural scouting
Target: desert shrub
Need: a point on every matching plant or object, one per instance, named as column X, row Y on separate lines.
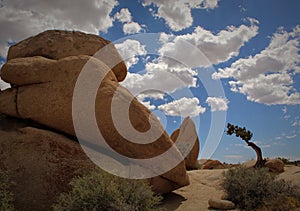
column 284, row 160
column 102, row 191
column 6, row 197
column 251, row 188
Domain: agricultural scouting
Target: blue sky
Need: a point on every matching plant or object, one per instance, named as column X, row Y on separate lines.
column 251, row 51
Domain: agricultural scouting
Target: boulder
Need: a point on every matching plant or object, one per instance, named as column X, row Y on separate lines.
column 275, row 165
column 58, row 44
column 187, row 136
column 220, row 204
column 44, row 88
column 213, row 164
column 42, row 163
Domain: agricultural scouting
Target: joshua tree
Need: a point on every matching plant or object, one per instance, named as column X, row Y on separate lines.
column 246, row 135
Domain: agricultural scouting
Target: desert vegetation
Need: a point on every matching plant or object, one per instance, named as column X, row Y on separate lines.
column 253, row 188
column 102, row 191
column 287, row 161
column 6, row 197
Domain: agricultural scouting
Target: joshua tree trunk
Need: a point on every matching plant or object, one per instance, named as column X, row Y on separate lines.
column 246, row 135
column 260, row 162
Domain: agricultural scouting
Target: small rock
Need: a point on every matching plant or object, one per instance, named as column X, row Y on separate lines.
column 221, row 204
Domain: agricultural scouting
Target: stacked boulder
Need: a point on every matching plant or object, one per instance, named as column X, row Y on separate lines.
column 43, row 71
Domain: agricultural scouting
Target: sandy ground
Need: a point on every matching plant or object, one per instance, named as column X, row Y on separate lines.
column 205, row 185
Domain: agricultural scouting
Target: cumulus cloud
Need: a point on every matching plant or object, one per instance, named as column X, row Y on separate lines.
column 177, row 13
column 203, row 48
column 130, row 50
column 217, row 103
column 267, row 77
column 159, row 79
column 22, row 19
column 124, row 15
column 171, row 71
column 183, row 107
column 149, row 105
column 131, row 28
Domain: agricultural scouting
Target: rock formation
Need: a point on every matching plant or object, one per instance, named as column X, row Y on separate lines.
column 43, row 71
column 213, row 164
column 187, row 135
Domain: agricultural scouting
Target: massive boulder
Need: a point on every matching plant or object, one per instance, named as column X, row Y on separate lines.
column 43, row 82
column 187, row 136
column 42, row 163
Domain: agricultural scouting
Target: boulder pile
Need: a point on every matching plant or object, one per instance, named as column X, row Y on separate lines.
column 43, row 71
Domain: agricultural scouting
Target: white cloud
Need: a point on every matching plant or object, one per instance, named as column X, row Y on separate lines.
column 168, row 75
column 22, row 19
column 124, row 15
column 235, row 157
column 3, row 84
column 261, row 144
column 285, row 136
column 130, row 50
column 159, row 79
column 295, row 123
column 203, row 48
column 267, row 77
column 290, row 136
column 217, row 103
column 183, row 107
column 149, row 105
column 177, row 13
column 131, row 28
column 284, row 109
